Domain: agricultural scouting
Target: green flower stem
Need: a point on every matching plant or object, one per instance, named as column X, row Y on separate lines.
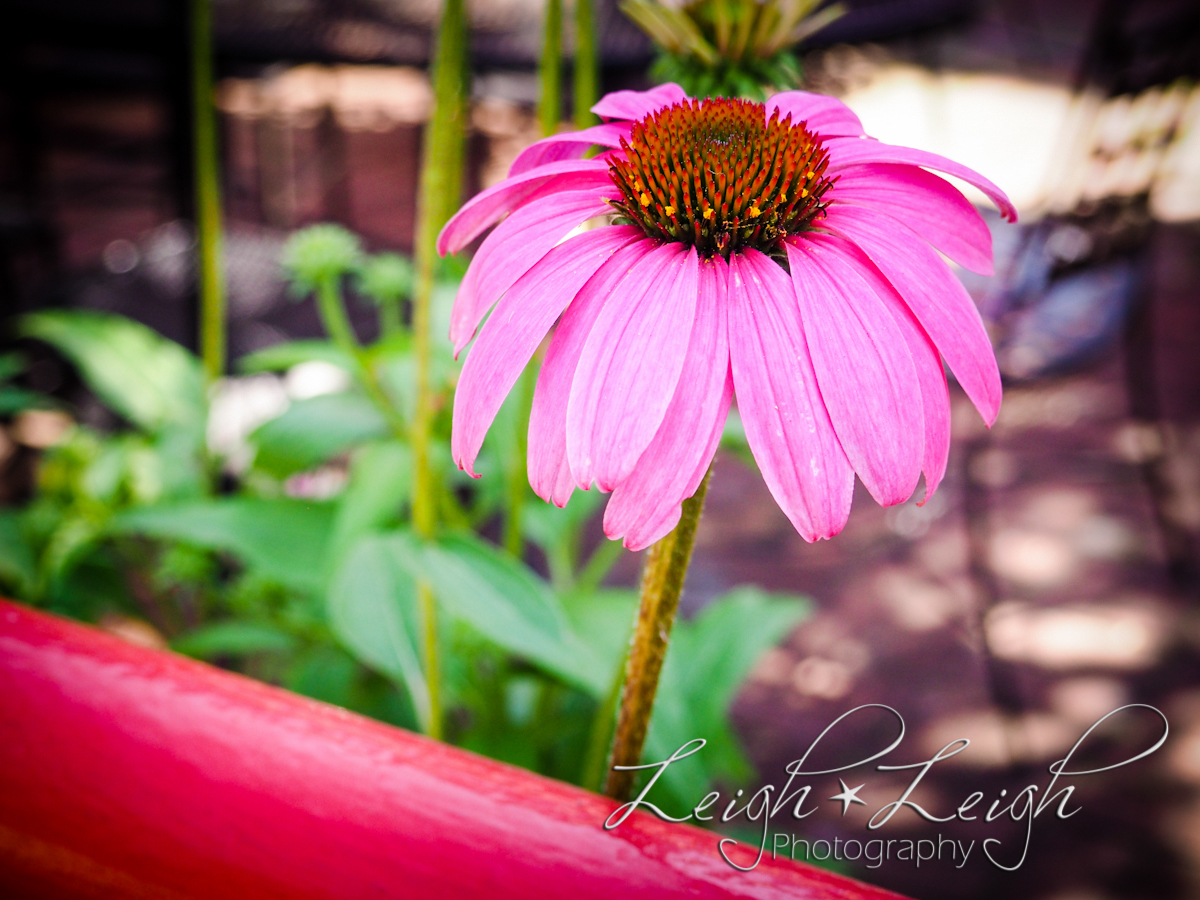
column 337, row 326
column 598, row 565
column 662, row 583
column 592, row 777
column 208, row 194
column 587, row 65
column 441, row 188
column 550, row 70
column 391, row 323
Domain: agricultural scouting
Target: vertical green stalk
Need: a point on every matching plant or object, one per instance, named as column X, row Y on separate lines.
column 391, row 323
column 662, row 583
column 550, row 70
column 441, row 188
column 208, row 193
column 587, row 64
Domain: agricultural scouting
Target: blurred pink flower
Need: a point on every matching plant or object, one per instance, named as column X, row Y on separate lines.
column 774, row 254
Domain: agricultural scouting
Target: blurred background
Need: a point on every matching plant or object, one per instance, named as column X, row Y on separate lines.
column 1054, row 577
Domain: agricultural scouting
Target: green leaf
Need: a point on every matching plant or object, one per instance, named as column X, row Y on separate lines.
column 721, row 645
column 280, row 357
column 510, row 606
column 284, row 540
column 372, row 607
column 378, row 487
column 151, row 381
column 17, row 568
column 311, row 431
column 607, row 617
column 708, row 659
column 14, row 400
column 11, row 364
column 233, row 639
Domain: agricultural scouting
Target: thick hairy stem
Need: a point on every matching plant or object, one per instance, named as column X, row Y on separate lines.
column 662, row 583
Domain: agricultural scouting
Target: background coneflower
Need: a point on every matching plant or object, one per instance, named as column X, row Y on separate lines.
column 730, row 48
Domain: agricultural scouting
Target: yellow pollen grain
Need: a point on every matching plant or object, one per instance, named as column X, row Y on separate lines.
column 708, row 213
column 644, row 200
column 804, row 192
column 669, row 210
column 755, row 212
column 808, row 174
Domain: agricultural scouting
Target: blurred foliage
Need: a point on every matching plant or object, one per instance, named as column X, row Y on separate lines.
column 242, row 564
column 730, row 48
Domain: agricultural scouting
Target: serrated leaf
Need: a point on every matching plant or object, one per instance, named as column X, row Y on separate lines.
column 280, row 357
column 17, row 567
column 233, row 639
column 509, row 605
column 283, row 540
column 708, row 659
column 378, row 487
column 372, row 607
column 312, row 431
column 151, row 381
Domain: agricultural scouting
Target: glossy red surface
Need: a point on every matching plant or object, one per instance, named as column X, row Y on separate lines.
column 130, row 773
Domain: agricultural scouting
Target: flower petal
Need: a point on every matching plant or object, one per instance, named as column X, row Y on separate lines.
column 826, row 116
column 937, row 298
column 846, row 152
column 863, row 367
column 483, row 210
column 549, row 473
column 935, row 395
column 929, row 205
column 634, row 105
column 645, row 506
column 515, row 329
column 511, row 250
column 787, row 425
column 629, row 367
column 658, row 521
column 569, row 145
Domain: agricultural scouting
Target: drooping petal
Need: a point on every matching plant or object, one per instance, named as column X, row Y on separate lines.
column 549, row 472
column 659, row 520
column 512, row 334
column 633, row 105
column 937, row 298
column 629, row 368
column 846, row 152
column 826, row 116
column 569, row 145
column 787, row 425
column 511, row 250
column 929, row 205
column 863, row 367
column 935, row 395
column 685, row 442
column 483, row 210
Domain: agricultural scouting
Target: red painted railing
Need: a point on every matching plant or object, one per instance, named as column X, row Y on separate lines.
column 130, row 773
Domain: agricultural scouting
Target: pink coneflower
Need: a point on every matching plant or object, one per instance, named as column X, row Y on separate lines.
column 770, row 253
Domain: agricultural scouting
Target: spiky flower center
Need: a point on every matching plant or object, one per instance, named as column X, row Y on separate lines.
column 719, row 175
